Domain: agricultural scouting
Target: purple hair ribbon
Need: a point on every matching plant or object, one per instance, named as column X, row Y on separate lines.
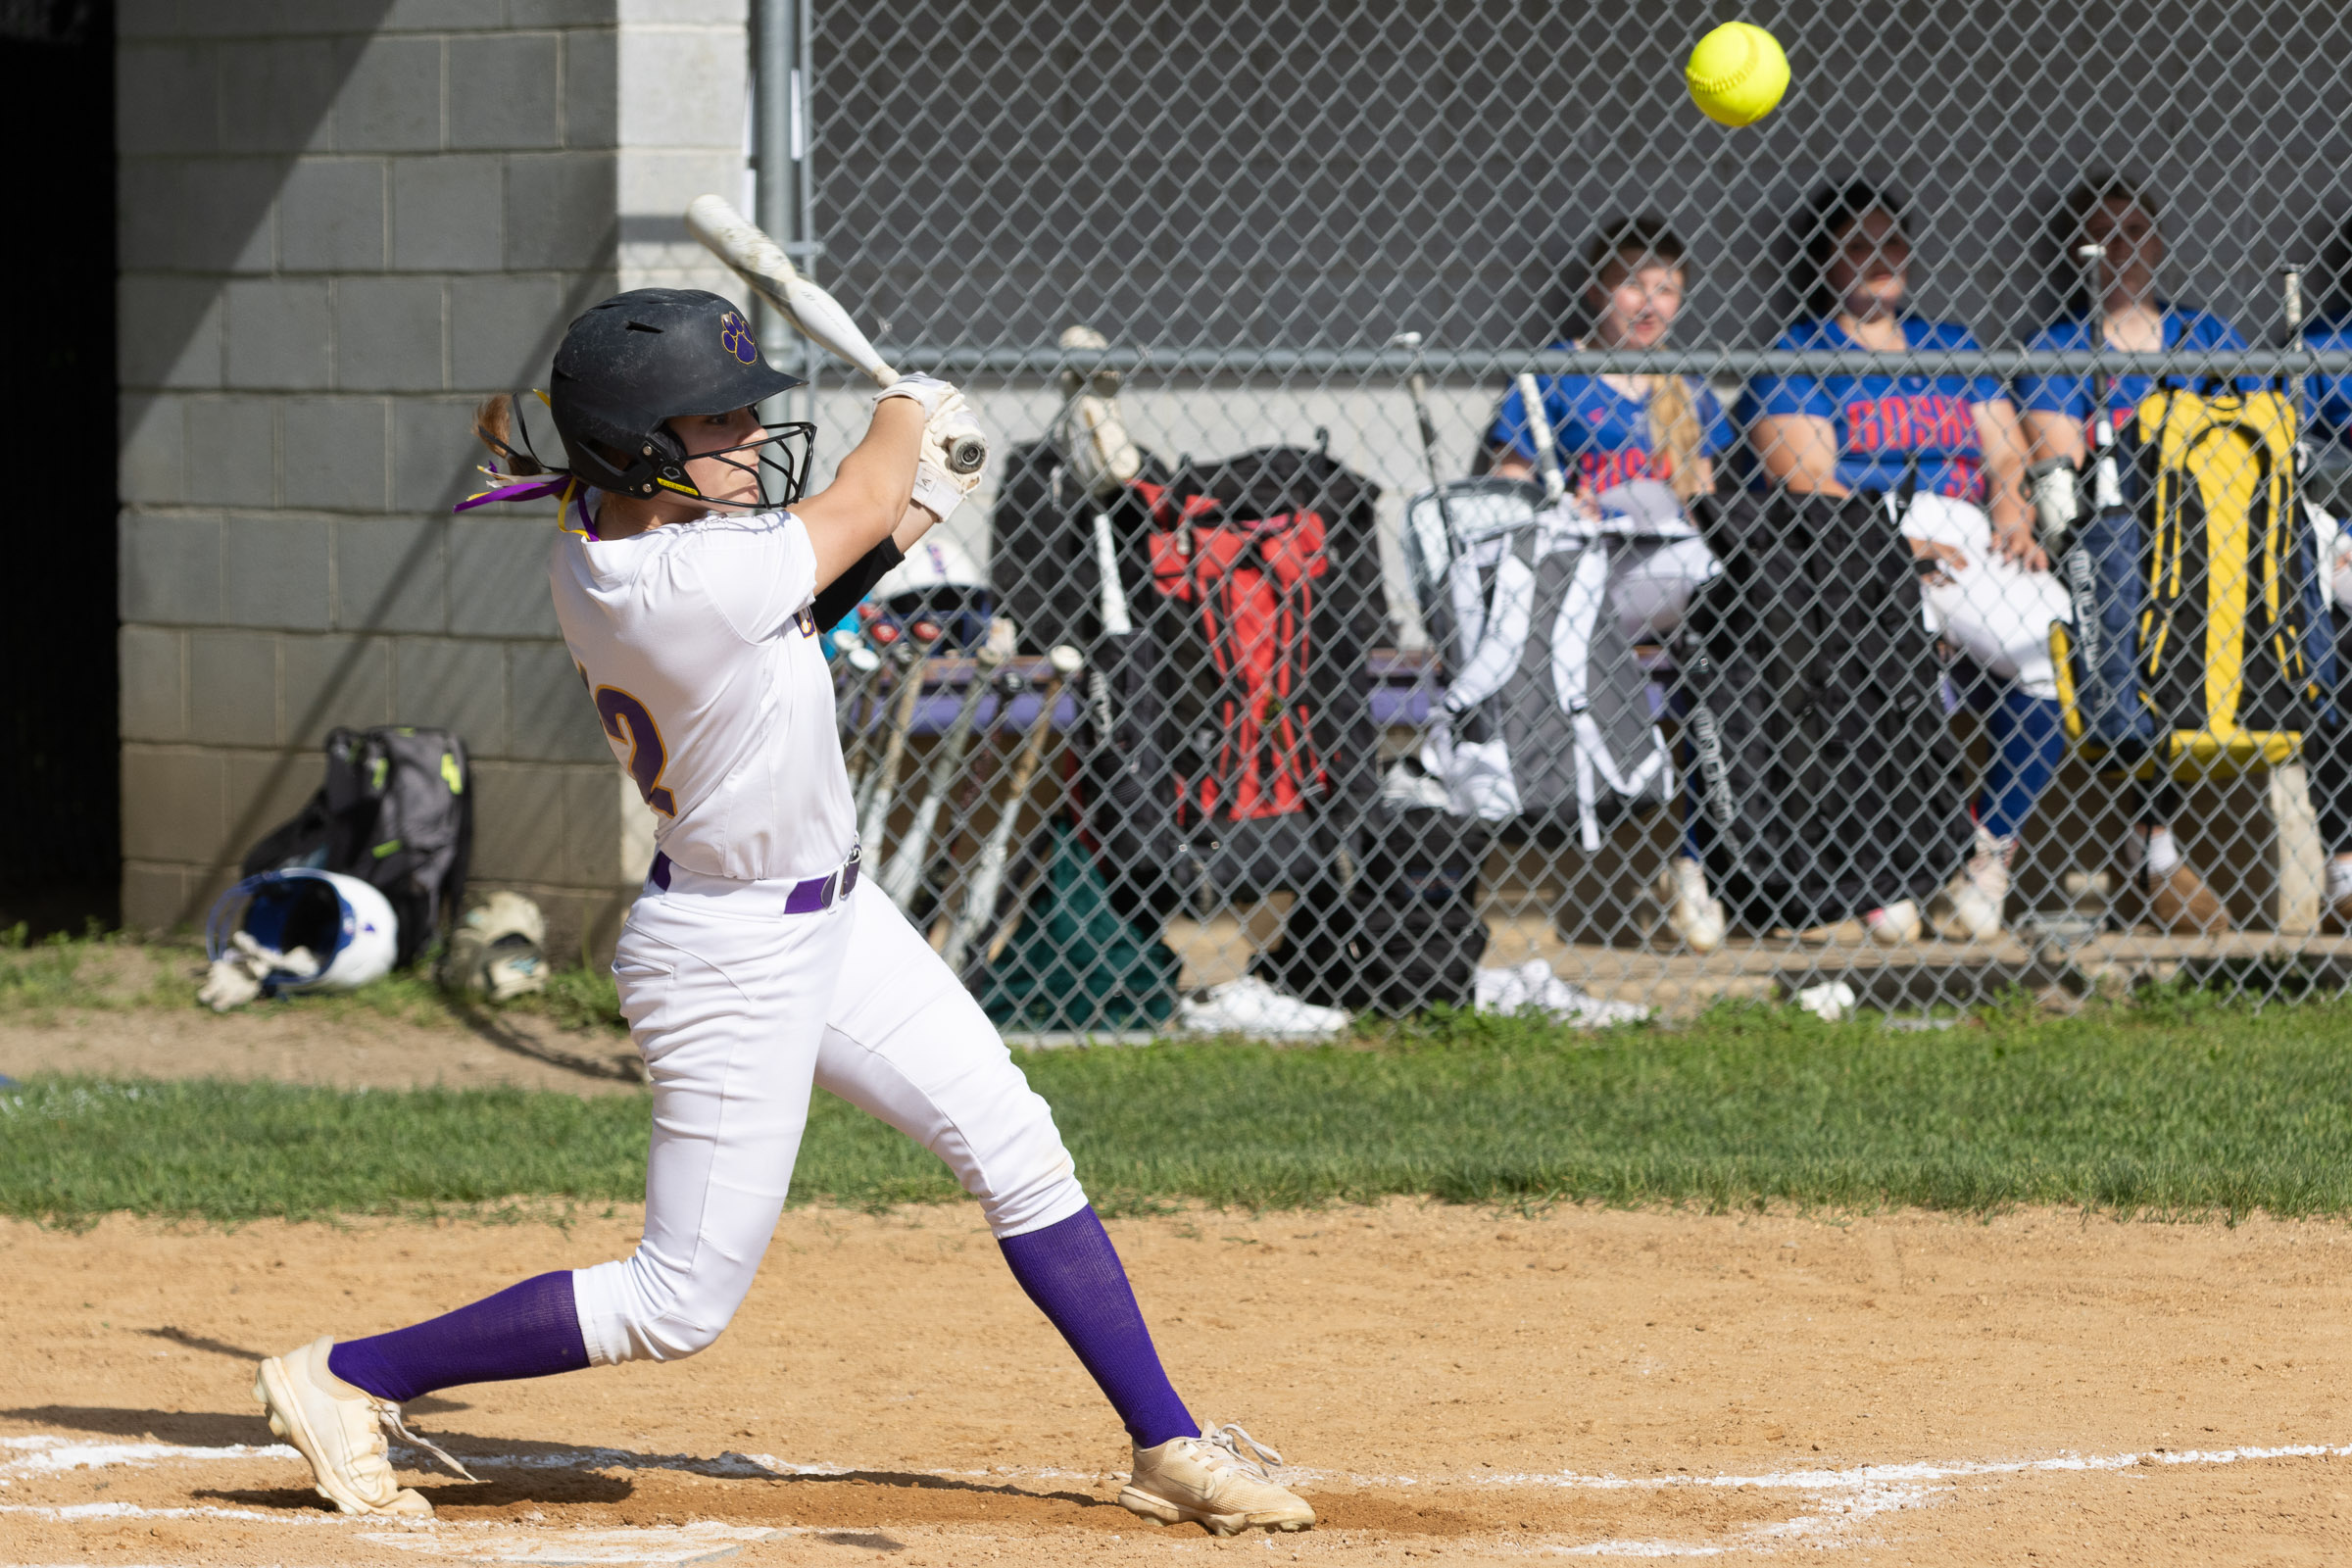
column 528, row 490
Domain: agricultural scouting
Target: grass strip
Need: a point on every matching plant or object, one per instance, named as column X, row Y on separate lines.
column 2168, row 1110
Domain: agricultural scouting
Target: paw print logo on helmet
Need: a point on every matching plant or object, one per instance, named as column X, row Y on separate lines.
column 736, row 334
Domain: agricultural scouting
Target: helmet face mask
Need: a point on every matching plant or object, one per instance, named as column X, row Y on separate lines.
column 778, row 462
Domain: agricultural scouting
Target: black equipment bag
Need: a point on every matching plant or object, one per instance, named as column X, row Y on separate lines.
column 1404, row 933
column 1041, row 561
column 396, row 811
column 1263, row 603
column 1829, row 781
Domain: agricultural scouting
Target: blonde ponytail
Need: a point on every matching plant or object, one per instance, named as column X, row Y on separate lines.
column 1674, row 430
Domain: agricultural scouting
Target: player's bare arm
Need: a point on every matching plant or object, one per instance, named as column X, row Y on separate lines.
column 2004, row 443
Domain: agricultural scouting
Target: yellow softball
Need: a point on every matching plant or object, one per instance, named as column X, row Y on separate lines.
column 1737, row 74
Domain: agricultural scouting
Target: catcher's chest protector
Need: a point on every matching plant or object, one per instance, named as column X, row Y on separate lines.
column 1829, row 779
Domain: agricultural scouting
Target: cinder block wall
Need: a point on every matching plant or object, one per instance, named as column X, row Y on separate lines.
column 342, row 221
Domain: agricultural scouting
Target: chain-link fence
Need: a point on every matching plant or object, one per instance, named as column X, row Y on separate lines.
column 1522, row 544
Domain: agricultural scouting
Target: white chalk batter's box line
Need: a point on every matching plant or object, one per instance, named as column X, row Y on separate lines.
column 1859, row 1493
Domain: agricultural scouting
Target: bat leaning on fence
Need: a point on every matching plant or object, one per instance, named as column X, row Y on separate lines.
column 988, row 870
column 882, row 785
column 813, row 314
column 902, row 872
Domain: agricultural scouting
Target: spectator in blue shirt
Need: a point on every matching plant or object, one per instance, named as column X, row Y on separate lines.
column 1612, row 430
column 2122, row 221
column 1952, row 445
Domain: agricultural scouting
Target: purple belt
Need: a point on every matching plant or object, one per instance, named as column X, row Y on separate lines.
column 816, row 894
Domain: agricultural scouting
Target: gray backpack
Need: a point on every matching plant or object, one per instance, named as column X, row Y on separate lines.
column 1545, row 708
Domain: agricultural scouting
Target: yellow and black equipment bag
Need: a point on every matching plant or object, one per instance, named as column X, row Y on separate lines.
column 2201, row 638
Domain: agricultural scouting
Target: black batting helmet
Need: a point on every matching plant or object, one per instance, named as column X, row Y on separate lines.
column 637, row 360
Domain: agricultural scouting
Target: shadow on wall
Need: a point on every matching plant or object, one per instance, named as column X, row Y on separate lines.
column 192, row 216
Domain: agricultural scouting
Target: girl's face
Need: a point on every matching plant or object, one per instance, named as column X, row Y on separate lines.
column 2130, row 245
column 1870, row 270
column 1633, row 309
column 734, row 477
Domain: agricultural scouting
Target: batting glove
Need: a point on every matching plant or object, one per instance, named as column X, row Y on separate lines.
column 927, row 390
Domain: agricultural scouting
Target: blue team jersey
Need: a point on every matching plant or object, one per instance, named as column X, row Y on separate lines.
column 1890, row 428
column 2331, row 394
column 2188, row 332
column 1603, row 434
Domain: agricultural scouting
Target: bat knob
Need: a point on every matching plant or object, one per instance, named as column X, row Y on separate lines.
column 966, row 452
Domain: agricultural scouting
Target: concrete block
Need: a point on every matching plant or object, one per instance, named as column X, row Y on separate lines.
column 446, row 213
column 151, row 662
column 388, row 334
column 503, row 332
column 279, row 334
column 503, row 93
column 155, row 896
column 549, row 716
column 650, row 180
column 453, row 684
column 167, row 332
column 206, row 215
column 561, row 14
column 233, row 688
column 336, row 451
column 559, row 209
column 390, row 101
column 169, row 569
column 147, row 19
column 167, row 98
column 434, row 454
column 335, row 682
column 590, row 89
column 173, row 804
column 275, row 94
column 277, row 572
column 518, row 826
column 232, row 451
column 441, row 16
column 684, row 13
column 263, row 19
column 498, row 576
column 330, row 216
column 265, row 789
column 147, row 462
column 389, row 574
column 682, row 89
column 592, row 827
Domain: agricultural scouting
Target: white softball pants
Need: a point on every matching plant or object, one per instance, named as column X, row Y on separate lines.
column 739, row 1009
column 1995, row 611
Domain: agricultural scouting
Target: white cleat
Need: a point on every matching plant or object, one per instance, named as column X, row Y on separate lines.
column 340, row 1429
column 1693, row 913
column 1969, row 909
column 1209, row 1480
column 1250, row 1006
column 1894, row 925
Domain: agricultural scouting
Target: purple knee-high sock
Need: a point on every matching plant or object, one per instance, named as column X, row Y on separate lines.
column 1072, row 1273
column 525, row 1331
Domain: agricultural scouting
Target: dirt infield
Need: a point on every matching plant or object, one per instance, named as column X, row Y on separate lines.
column 1450, row 1382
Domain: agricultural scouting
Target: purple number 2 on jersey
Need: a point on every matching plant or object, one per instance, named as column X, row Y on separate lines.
column 626, row 720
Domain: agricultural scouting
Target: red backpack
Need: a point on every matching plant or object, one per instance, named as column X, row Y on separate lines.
column 1252, row 584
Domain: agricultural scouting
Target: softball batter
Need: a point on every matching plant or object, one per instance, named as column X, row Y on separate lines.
column 756, row 961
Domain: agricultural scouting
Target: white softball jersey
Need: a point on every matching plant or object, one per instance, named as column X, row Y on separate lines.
column 696, row 642
column 698, row 649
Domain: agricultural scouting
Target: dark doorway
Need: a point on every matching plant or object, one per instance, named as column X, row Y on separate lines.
column 60, row 822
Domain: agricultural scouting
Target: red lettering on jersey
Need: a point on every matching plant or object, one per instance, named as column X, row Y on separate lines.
column 1864, row 431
